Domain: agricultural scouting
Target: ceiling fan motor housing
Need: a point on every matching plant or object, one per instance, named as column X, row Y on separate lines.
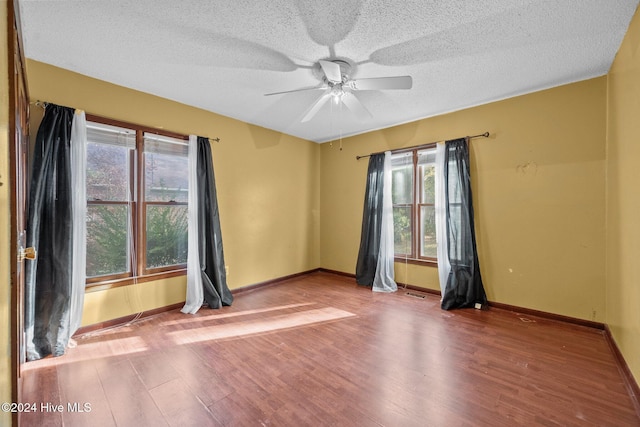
column 345, row 70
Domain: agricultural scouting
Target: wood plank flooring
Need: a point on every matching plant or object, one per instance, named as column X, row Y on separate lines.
column 318, row 350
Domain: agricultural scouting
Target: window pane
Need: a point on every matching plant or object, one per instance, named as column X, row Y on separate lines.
column 428, row 247
column 402, row 230
column 402, row 185
column 108, row 172
column 165, row 145
column 111, row 135
column 107, row 239
column 428, row 190
column 427, row 156
column 166, row 178
column 166, row 235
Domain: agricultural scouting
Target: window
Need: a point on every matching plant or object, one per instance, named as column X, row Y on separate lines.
column 166, row 193
column 413, row 196
column 137, row 193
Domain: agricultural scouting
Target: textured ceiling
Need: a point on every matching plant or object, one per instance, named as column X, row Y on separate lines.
column 224, row 55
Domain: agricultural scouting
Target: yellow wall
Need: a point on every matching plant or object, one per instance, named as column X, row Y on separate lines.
column 5, row 215
column 539, row 193
column 268, row 187
column 623, row 198
column 125, row 300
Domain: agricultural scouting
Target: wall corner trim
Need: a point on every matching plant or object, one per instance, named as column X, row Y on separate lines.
column 629, row 381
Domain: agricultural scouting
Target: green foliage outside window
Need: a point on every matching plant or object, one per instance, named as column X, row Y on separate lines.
column 107, row 231
column 402, row 230
column 107, row 238
column 166, row 235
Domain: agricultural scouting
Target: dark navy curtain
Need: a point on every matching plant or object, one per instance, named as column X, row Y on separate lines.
column 49, row 231
column 371, row 222
column 214, row 277
column 464, row 285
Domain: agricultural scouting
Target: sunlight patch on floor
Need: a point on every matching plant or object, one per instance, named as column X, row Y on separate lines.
column 90, row 351
column 239, row 329
column 217, row 315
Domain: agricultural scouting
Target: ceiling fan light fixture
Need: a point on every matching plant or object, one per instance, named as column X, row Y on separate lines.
column 337, row 92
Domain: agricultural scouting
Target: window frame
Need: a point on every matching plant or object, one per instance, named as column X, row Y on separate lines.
column 138, row 272
column 416, row 204
column 146, row 203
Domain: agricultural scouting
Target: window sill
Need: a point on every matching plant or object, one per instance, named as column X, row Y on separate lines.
column 116, row 283
column 423, row 262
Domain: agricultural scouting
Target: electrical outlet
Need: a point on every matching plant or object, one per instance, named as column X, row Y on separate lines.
column 226, row 270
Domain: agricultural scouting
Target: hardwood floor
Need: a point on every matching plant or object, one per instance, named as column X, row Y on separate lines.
column 318, row 350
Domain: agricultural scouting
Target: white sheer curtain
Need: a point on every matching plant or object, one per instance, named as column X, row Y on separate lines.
column 441, row 222
column 195, row 293
column 383, row 279
column 79, row 215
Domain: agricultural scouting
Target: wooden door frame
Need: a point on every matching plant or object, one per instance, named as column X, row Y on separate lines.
column 17, row 108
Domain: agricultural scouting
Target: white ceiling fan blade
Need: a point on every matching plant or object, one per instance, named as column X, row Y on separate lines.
column 313, row 110
column 302, row 89
column 355, row 106
column 381, row 83
column 331, row 71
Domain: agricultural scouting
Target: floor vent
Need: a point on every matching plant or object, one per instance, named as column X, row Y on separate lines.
column 412, row 294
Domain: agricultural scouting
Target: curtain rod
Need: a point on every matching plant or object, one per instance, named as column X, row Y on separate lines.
column 400, row 150
column 44, row 104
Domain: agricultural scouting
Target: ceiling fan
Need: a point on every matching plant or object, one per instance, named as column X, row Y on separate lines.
column 339, row 87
